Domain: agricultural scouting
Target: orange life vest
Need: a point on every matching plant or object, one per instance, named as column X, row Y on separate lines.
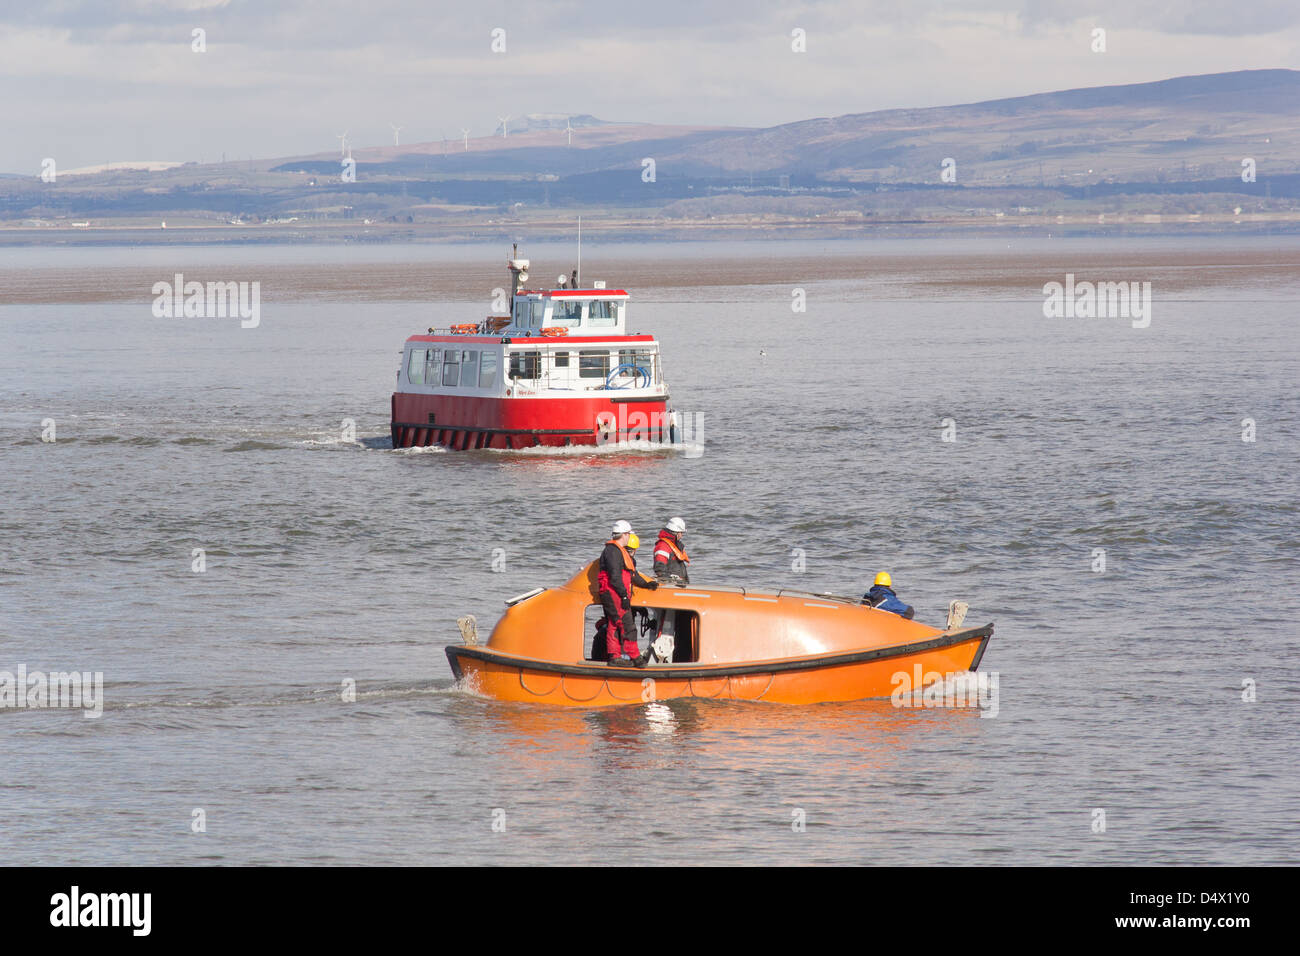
column 676, row 550
column 627, row 558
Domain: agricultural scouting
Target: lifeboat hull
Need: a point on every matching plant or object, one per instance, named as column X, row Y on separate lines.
column 857, row 675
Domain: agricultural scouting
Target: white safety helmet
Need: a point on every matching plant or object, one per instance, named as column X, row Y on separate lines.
column 676, row 526
column 622, row 527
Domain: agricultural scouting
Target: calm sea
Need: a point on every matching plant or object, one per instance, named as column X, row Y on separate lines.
column 1099, row 504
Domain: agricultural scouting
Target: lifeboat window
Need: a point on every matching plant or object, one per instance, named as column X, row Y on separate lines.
column 566, row 313
column 593, row 364
column 601, row 314
column 468, row 368
column 524, row 364
column 415, row 367
column 433, row 368
column 561, row 359
column 487, row 370
column 451, row 368
column 683, row 626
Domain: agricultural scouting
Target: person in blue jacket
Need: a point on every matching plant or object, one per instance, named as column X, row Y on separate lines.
column 882, row 596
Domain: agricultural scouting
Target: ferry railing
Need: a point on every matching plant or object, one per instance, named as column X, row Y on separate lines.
column 549, row 379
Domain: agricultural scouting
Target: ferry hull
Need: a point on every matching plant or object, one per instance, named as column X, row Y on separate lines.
column 463, row 422
column 856, row 675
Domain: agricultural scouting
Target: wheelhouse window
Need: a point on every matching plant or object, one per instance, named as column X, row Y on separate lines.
column 451, row 368
column 521, row 313
column 602, row 314
column 593, row 364
column 415, row 367
column 524, row 364
column 564, row 313
column 487, row 370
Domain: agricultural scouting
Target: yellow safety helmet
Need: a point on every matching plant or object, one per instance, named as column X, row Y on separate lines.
column 884, row 578
column 633, row 541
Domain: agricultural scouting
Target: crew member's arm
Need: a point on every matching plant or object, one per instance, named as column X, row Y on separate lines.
column 662, row 554
column 643, row 582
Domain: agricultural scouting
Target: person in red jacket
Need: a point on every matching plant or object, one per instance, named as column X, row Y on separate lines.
column 670, row 556
column 615, row 577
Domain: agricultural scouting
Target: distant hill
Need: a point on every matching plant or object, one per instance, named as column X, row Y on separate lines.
column 1136, row 131
column 532, row 122
column 1144, row 147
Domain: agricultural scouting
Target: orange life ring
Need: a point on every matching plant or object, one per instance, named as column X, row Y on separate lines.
column 554, row 330
column 467, row 328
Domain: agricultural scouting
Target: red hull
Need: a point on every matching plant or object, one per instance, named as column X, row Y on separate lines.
column 463, row 421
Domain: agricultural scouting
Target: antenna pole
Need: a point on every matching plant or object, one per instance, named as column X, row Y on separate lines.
column 579, row 252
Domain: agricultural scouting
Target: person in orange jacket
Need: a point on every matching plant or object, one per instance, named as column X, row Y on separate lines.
column 670, row 556
column 615, row 577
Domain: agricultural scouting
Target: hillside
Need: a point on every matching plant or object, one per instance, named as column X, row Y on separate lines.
column 1170, row 147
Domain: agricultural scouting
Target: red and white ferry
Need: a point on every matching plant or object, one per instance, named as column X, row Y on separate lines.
column 559, row 370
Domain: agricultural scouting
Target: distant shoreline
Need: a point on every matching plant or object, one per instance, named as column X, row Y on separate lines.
column 614, row 229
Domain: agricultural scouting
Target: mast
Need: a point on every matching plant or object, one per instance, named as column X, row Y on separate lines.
column 518, row 275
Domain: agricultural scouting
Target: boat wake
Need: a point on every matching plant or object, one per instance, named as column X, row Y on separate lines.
column 688, row 449
column 242, row 697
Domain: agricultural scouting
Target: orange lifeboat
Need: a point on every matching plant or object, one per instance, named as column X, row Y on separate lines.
column 785, row 647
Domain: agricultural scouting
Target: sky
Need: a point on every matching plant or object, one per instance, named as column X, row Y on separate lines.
column 97, row 81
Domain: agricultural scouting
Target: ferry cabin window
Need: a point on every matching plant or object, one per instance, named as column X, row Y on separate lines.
column 593, row 364
column 602, row 314
column 415, row 367
column 566, row 313
column 524, row 364
column 641, row 358
column 468, row 368
column 487, row 370
column 561, row 359
column 451, row 367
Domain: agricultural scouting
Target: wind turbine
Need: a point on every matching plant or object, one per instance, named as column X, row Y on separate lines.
column 568, row 128
column 465, row 133
column 505, row 128
column 343, row 143
column 396, row 131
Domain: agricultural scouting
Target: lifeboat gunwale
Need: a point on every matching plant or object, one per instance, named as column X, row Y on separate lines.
column 729, row 669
